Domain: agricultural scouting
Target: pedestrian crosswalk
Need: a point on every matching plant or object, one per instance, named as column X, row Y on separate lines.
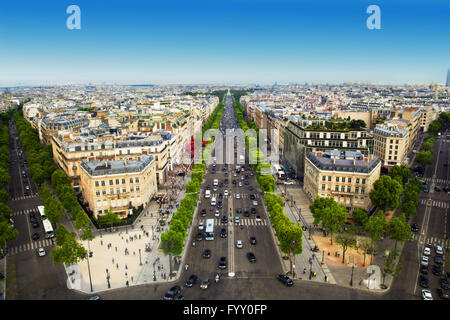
column 24, row 197
column 232, row 195
column 435, row 203
column 34, row 245
column 432, row 240
column 26, row 211
column 245, row 222
column 441, row 181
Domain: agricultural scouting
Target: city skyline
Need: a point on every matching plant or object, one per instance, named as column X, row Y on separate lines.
column 223, row 42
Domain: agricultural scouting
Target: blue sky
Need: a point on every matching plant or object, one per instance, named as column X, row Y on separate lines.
column 216, row 41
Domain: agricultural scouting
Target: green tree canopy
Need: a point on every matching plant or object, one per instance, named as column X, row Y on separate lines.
column 331, row 214
column 386, row 193
column 399, row 229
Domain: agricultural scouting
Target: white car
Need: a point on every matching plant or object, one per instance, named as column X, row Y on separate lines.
column 237, row 219
column 426, row 251
column 424, row 261
column 255, row 203
column 201, row 225
column 217, row 213
column 239, row 244
column 215, row 188
column 41, row 252
column 238, row 196
column 426, row 295
column 240, row 184
column 258, row 218
column 235, row 174
column 242, row 177
column 225, row 193
column 439, row 250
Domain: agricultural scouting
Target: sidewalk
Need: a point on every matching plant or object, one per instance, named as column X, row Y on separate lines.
column 3, row 281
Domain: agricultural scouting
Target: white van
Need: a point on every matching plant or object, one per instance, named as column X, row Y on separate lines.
column 213, row 201
column 216, row 182
column 208, row 194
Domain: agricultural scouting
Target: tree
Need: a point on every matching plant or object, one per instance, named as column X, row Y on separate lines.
column 386, row 193
column 390, row 265
column 375, row 227
column 360, row 216
column 424, row 158
column 54, row 210
column 83, row 225
column 5, row 211
column 409, row 208
column 67, row 250
column 7, row 232
column 172, row 244
column 399, row 229
column 330, row 213
column 4, row 177
column 400, row 173
column 110, row 218
column 290, row 237
column 365, row 245
column 4, row 196
column 347, row 240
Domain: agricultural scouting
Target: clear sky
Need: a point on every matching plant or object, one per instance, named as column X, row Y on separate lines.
column 218, row 41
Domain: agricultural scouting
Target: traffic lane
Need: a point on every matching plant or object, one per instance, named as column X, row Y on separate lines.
column 23, row 225
column 436, row 225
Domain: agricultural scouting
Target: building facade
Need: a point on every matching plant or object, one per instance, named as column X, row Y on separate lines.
column 391, row 143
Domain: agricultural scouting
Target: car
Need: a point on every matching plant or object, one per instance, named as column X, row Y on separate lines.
column 426, row 295
column 223, row 233
column 424, row 261
column 239, row 244
column 437, row 270
column 225, row 193
column 180, row 298
column 219, row 204
column 424, row 269
column 204, row 284
column 41, row 252
column 250, row 188
column 442, row 295
column 238, row 196
column 222, row 262
column 220, row 195
column 94, row 297
column 35, row 224
column 237, row 219
column 172, row 293
column 207, row 254
column 444, row 283
column 446, row 189
column 286, row 280
column 226, row 174
column 437, row 188
column 201, row 225
column 35, row 236
column 427, row 251
column 258, row 218
column 224, row 219
column 255, row 203
column 225, row 181
column 246, row 213
column 213, row 170
column 438, row 259
column 252, row 197
column 425, row 189
column 234, row 174
column 26, row 193
column 246, row 182
column 251, row 257
column 423, row 281
column 253, row 210
column 233, row 182
column 217, row 213
column 215, row 188
column 242, row 178
column 438, row 249
column 25, row 180
column 240, row 184
column 199, row 236
column 191, row 281
column 415, row 227
column 253, row 240
column 27, row 187
column 203, row 212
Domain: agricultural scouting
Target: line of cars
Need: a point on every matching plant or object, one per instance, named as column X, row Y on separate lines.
column 437, row 270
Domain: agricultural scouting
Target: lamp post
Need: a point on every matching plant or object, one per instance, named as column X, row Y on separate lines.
column 140, row 261
column 89, row 267
column 351, row 280
column 107, row 278
column 310, row 268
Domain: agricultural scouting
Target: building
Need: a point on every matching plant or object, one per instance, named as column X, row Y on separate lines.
column 428, row 115
column 346, row 176
column 304, row 136
column 391, row 143
column 413, row 115
column 117, row 185
column 53, row 123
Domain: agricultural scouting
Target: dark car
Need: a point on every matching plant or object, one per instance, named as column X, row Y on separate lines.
column 207, row 254
column 213, row 170
column 223, row 233
column 250, row 188
column 191, row 281
column 25, row 180
column 442, row 294
column 219, row 204
column 415, row 227
column 203, row 212
column 253, row 210
column 423, row 281
column 35, row 224
column 446, row 189
column 251, row 257
column 199, row 236
column 425, row 189
column 224, row 219
column 437, row 188
column 26, row 193
column 35, row 236
column 437, row 270
column 438, row 259
column 180, row 298
column 226, row 174
column 286, row 280
column 172, row 293
column 246, row 213
column 225, row 181
column 220, row 196
column 423, row 269
column 222, row 262
column 246, row 182
column 253, row 240
column 444, row 283
column 252, row 197
column 246, row 176
column 32, row 215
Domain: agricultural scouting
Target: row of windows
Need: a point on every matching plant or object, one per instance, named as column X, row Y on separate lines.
column 349, row 189
column 111, row 191
column 111, row 182
column 342, row 179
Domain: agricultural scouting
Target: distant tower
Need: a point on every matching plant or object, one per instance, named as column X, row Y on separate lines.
column 448, row 78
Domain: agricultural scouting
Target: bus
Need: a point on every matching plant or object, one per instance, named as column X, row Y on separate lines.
column 41, row 212
column 49, row 233
column 209, row 232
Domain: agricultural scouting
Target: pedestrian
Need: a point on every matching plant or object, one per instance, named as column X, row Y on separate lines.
column 116, row 249
column 113, row 260
column 127, row 283
column 117, row 266
column 131, row 279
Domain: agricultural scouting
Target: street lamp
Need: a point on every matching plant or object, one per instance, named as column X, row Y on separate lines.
column 89, row 267
column 310, row 268
column 351, row 280
column 140, row 261
column 107, row 278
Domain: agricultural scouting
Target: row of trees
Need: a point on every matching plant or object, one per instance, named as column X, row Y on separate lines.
column 40, row 159
column 425, row 154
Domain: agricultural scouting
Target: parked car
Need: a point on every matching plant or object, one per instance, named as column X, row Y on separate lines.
column 437, row 270
column 424, row 261
column 426, row 295
column 199, row 236
column 201, row 225
column 424, row 269
column 223, row 233
column 423, row 281
column 427, row 251
column 442, row 295
column 439, row 250
column 444, row 283
column 438, row 259
column 286, row 280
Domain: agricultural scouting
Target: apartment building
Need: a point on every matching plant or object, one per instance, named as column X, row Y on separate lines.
column 52, row 123
column 346, row 176
column 304, row 136
column 391, row 143
column 117, row 185
column 429, row 114
column 413, row 115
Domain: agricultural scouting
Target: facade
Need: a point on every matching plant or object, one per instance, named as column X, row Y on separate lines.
column 413, row 115
column 391, row 143
column 51, row 124
column 427, row 116
column 346, row 176
column 305, row 136
column 117, row 185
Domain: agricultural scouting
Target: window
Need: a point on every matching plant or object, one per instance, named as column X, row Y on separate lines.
column 137, row 189
column 111, row 182
column 97, row 193
column 396, row 152
column 390, row 151
column 356, row 190
column 343, row 179
column 396, row 141
column 131, row 189
column 342, row 188
column 136, row 180
column 390, row 157
column 128, row 151
column 395, row 157
column 349, row 180
column 99, row 211
column 323, row 187
column 349, row 189
column 337, row 179
column 324, row 178
column 124, row 190
column 103, row 192
column 336, row 188
column 111, row 191
column 357, row 180
column 103, row 183
column 117, row 181
column 363, row 181
column 96, row 183
column 329, row 178
column 131, row 180
column 117, row 191
column 123, row 181
column 363, row 190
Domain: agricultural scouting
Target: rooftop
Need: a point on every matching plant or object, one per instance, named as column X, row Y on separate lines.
column 101, row 168
column 343, row 161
